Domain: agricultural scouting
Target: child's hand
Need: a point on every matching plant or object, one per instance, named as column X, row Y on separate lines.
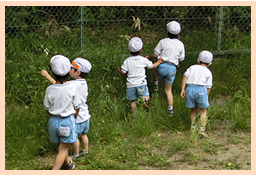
column 161, row 60
column 183, row 94
column 44, row 73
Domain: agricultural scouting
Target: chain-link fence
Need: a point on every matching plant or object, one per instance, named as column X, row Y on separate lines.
column 216, row 28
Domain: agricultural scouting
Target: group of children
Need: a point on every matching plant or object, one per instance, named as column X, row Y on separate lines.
column 170, row 52
column 65, row 101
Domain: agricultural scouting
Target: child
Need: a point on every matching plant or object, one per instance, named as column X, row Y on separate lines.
column 172, row 50
column 80, row 68
column 62, row 102
column 134, row 67
column 199, row 81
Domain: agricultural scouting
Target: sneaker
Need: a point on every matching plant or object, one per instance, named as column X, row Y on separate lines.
column 83, row 152
column 156, row 87
column 74, row 156
column 71, row 165
column 145, row 104
column 203, row 135
column 170, row 112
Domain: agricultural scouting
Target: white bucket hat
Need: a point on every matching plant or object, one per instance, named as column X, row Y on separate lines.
column 60, row 65
column 135, row 44
column 205, row 57
column 173, row 27
column 82, row 65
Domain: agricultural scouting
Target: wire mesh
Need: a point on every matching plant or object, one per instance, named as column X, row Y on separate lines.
column 219, row 29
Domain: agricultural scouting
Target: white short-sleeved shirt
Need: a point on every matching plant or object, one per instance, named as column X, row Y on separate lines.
column 199, row 75
column 135, row 66
column 171, row 50
column 62, row 99
column 83, row 115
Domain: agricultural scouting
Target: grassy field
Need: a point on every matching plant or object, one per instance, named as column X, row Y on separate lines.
column 118, row 141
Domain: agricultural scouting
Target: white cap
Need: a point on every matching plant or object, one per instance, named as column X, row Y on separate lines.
column 205, row 57
column 173, row 27
column 135, row 44
column 82, row 65
column 60, row 65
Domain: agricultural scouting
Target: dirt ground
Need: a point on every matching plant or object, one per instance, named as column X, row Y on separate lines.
column 227, row 151
column 222, row 151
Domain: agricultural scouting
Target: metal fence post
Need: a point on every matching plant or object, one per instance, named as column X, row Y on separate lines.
column 220, row 28
column 82, row 26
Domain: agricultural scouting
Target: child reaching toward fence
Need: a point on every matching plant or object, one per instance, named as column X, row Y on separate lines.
column 80, row 69
column 172, row 50
column 134, row 68
column 199, row 82
column 62, row 102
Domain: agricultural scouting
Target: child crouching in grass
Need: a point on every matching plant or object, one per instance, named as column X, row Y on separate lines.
column 62, row 102
column 199, row 81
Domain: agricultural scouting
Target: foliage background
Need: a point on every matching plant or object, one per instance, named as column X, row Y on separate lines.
column 33, row 34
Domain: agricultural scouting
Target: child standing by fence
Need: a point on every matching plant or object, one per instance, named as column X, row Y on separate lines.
column 80, row 69
column 134, row 67
column 172, row 50
column 199, row 81
column 62, row 102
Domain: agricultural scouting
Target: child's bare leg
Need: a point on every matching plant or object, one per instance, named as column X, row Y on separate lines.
column 155, row 77
column 61, row 156
column 193, row 115
column 147, row 97
column 168, row 91
column 203, row 117
column 133, row 106
column 85, row 142
column 76, row 147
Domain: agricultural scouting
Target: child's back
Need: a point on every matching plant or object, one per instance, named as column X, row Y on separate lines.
column 59, row 99
column 171, row 50
column 199, row 75
column 135, row 66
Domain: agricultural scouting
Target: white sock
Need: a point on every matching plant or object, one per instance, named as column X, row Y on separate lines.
column 170, row 108
column 202, row 129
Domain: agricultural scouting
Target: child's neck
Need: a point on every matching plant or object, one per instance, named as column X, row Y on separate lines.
column 78, row 77
column 204, row 65
column 58, row 82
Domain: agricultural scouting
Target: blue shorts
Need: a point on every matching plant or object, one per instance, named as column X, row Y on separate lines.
column 166, row 71
column 196, row 96
column 83, row 128
column 62, row 129
column 134, row 92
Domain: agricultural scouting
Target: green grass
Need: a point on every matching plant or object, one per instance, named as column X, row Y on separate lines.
column 118, row 140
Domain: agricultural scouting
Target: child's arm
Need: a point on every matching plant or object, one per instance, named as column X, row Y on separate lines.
column 179, row 63
column 48, row 112
column 153, row 56
column 184, row 81
column 159, row 61
column 77, row 111
column 120, row 71
column 45, row 74
column 208, row 91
